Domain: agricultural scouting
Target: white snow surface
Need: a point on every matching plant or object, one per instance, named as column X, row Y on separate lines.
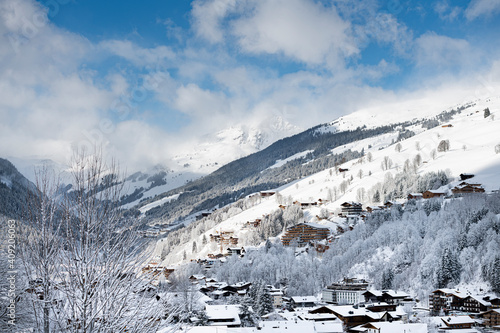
column 472, row 150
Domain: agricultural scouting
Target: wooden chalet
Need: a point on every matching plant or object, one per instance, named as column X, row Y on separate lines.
column 389, row 204
column 349, row 315
column 255, row 223
column 465, row 176
column 386, row 296
column 466, row 188
column 491, row 318
column 305, row 233
column 229, row 241
column 236, row 251
column 433, row 194
column 445, row 300
column 415, row 196
column 371, row 209
column 458, row 322
column 351, row 208
column 266, row 194
column 305, row 204
column 476, row 304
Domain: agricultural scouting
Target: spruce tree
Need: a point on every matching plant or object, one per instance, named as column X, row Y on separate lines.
column 487, row 112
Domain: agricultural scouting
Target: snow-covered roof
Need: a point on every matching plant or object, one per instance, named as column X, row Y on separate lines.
column 224, row 312
column 457, row 320
column 300, row 326
column 396, row 294
column 377, row 293
column 397, row 327
column 304, row 299
column 316, row 225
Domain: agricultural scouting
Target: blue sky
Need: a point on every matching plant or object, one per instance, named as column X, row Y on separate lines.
column 132, row 75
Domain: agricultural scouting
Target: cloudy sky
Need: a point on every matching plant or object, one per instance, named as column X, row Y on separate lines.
column 144, row 78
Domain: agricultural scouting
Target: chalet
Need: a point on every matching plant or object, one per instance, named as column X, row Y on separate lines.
column 458, row 322
column 387, row 296
column 351, row 208
column 466, row 188
column 476, row 304
column 465, row 176
column 389, row 204
column 155, row 271
column 433, row 194
column 381, row 307
column 371, row 209
column 415, row 196
column 306, row 204
column 351, row 316
column 229, row 241
column 255, row 223
column 349, row 291
column 223, row 315
column 491, row 318
column 236, row 251
column 303, row 301
column 445, row 300
column 266, row 194
column 305, row 233
column 197, row 278
column 389, row 327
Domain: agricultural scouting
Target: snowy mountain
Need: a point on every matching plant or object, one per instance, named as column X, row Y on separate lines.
column 395, row 162
column 216, row 150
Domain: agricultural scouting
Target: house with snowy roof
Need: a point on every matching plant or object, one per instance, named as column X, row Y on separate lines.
column 445, row 300
column 304, row 233
column 303, row 301
column 223, row 315
column 491, row 318
column 391, row 327
column 351, row 208
column 415, row 196
column 429, row 194
column 458, row 322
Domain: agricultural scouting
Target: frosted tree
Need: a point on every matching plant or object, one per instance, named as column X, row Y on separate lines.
column 41, row 246
column 194, row 248
column 443, row 146
column 433, row 154
column 449, row 270
column 102, row 256
column 369, row 157
column 360, row 173
column 417, row 146
column 398, row 147
column 387, row 278
column 386, row 163
column 487, row 112
column 497, row 149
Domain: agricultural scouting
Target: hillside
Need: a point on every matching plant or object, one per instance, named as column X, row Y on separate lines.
column 472, row 139
column 14, row 188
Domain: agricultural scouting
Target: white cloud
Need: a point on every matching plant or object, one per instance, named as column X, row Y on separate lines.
column 137, row 55
column 447, row 12
column 479, row 8
column 207, row 15
column 300, row 29
column 439, row 52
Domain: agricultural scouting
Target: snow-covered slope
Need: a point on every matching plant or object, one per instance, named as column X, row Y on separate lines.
column 472, row 139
